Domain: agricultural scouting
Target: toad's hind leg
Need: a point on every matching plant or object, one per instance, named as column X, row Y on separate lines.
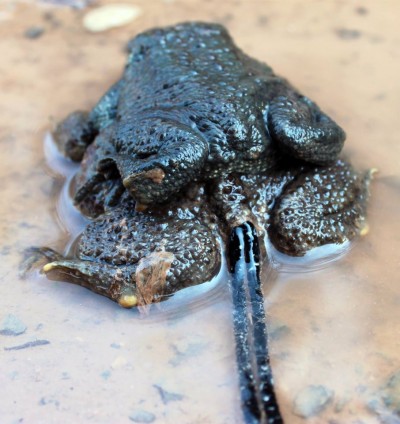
column 322, row 206
column 107, row 280
column 302, row 130
column 112, row 282
column 74, row 134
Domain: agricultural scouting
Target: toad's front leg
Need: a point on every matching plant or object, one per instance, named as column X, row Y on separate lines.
column 78, row 130
column 152, row 158
column 301, row 129
column 116, row 283
column 157, row 158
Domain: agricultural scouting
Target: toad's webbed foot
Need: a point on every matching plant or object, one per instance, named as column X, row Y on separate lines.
column 302, row 130
column 137, row 259
column 322, row 206
column 32, row 257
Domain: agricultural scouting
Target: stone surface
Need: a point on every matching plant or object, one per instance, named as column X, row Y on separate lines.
column 354, row 300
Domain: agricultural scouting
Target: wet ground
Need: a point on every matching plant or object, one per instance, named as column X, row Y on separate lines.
column 67, row 355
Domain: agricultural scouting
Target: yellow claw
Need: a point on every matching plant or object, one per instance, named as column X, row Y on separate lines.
column 48, row 267
column 128, row 301
column 364, row 230
column 373, row 172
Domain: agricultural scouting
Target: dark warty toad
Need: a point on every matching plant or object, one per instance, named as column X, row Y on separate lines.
column 195, row 138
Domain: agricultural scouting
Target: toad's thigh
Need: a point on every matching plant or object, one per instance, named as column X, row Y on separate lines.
column 322, row 206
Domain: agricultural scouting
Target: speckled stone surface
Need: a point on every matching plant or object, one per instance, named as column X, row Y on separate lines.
column 342, row 315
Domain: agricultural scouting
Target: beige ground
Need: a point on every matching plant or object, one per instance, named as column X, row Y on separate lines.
column 339, row 326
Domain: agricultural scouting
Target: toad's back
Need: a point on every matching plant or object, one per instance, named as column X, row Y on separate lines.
column 187, row 63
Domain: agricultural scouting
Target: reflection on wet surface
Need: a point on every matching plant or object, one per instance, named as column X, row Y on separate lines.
column 334, row 328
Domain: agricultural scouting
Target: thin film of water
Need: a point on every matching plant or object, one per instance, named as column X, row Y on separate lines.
column 73, row 223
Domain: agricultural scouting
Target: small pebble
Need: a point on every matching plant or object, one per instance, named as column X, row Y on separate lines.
column 391, row 393
column 340, row 404
column 48, row 401
column 263, row 20
column 106, row 374
column 110, row 16
column 311, row 401
column 362, row 10
column 52, row 19
column 167, row 397
column 348, row 34
column 278, row 331
column 34, row 32
column 12, row 326
column 140, row 416
column 118, row 362
column 5, row 250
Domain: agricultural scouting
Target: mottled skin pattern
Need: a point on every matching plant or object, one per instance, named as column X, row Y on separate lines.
column 119, row 248
column 196, row 137
column 297, row 208
column 192, row 106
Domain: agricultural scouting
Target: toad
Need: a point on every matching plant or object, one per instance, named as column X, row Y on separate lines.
column 195, row 138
